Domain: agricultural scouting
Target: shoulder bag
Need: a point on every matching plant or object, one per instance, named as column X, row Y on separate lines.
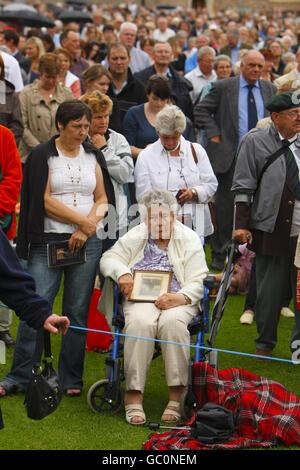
column 44, row 391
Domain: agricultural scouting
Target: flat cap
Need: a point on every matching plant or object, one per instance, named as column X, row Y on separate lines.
column 284, row 100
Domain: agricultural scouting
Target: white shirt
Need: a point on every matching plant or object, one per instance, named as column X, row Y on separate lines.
column 12, row 71
column 155, row 169
column 198, row 80
column 72, row 182
column 163, row 36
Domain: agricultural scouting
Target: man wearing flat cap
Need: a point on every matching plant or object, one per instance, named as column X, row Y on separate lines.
column 267, row 201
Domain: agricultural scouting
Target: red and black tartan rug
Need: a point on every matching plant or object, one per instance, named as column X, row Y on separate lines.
column 268, row 414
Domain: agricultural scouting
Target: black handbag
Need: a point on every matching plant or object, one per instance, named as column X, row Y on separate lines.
column 44, row 391
column 213, row 424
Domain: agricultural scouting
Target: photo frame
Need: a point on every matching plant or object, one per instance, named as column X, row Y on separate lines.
column 149, row 285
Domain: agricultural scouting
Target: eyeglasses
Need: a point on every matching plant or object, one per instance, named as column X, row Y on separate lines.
column 291, row 114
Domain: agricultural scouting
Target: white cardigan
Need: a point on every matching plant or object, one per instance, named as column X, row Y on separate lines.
column 185, row 253
column 152, row 169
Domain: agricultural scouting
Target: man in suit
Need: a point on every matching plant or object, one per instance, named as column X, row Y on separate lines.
column 234, row 45
column 224, row 115
column 267, row 215
column 11, row 40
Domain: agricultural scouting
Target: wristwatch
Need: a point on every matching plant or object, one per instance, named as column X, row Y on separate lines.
column 195, row 194
column 187, row 299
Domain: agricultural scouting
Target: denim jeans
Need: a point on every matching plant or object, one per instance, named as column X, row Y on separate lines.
column 78, row 285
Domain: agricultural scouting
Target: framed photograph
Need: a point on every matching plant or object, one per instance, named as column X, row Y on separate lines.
column 148, row 285
column 59, row 254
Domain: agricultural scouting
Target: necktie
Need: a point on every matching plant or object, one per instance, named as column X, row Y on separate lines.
column 252, row 111
column 292, row 169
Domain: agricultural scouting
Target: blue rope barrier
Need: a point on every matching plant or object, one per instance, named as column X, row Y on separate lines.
column 182, row 344
column 196, row 346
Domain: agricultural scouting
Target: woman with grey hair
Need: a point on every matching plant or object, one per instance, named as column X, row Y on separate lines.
column 179, row 166
column 162, row 244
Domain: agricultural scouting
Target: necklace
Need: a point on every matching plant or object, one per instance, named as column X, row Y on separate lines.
column 75, row 177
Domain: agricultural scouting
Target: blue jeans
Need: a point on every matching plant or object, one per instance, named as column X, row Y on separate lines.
column 77, row 290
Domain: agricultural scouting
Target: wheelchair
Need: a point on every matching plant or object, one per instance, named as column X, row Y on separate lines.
column 106, row 395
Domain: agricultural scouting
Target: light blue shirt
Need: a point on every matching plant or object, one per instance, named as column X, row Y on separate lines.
column 243, row 105
column 235, row 53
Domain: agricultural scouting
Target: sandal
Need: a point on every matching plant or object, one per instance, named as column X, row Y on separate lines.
column 8, row 387
column 174, row 413
column 135, row 411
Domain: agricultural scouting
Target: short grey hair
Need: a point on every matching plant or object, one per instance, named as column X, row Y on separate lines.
column 170, row 120
column 222, row 57
column 204, row 51
column 158, row 197
column 128, row 24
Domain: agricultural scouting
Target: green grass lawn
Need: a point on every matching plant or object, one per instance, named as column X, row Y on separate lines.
column 74, row 426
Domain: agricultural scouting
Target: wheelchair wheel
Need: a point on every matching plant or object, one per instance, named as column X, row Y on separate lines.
column 212, row 357
column 104, row 397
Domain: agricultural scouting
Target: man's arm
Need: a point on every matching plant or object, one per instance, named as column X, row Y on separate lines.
column 17, row 291
column 204, row 111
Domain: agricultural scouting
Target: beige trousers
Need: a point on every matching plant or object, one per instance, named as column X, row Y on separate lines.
column 146, row 320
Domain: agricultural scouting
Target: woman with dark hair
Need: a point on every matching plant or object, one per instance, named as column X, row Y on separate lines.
column 139, row 120
column 65, row 192
column 92, row 52
column 98, row 77
column 47, row 41
column 39, row 103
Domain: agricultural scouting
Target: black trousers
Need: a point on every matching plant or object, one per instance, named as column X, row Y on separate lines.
column 223, row 210
column 274, row 276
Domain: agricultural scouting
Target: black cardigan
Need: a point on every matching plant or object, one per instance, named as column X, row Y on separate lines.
column 35, row 177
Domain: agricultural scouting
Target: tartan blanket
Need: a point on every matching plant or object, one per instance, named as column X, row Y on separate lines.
column 267, row 413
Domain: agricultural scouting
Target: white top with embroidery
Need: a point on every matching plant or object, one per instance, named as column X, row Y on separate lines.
column 72, row 182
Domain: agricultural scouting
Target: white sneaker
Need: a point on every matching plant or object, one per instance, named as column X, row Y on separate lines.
column 247, row 317
column 287, row 312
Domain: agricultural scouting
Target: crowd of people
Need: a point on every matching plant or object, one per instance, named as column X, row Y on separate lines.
column 151, row 106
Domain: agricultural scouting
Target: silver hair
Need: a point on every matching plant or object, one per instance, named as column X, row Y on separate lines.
column 205, row 50
column 128, row 24
column 250, row 51
column 158, row 197
column 170, row 120
column 222, row 57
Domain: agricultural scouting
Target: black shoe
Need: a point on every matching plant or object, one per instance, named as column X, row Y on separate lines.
column 5, row 336
column 217, row 265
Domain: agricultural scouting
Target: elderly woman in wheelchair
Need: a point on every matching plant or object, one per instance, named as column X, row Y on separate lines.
column 158, row 243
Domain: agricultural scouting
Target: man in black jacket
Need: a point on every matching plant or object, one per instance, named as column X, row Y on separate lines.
column 162, row 56
column 125, row 87
column 11, row 40
column 17, row 291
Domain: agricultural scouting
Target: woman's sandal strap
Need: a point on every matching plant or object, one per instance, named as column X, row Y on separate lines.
column 135, row 410
column 169, row 411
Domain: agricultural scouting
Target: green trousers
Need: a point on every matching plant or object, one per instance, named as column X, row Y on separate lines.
column 5, row 318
